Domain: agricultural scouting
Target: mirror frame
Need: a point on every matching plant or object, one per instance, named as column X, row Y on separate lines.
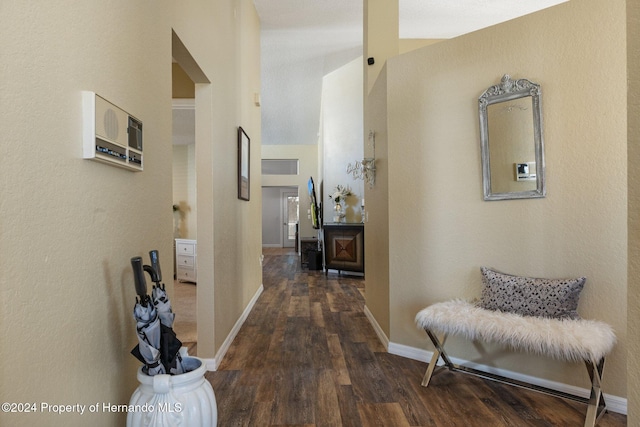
column 508, row 90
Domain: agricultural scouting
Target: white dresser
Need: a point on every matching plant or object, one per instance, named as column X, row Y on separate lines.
column 186, row 265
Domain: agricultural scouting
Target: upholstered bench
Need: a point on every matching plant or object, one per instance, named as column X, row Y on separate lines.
column 528, row 314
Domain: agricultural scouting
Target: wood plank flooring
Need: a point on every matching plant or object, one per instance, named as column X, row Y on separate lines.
column 307, row 356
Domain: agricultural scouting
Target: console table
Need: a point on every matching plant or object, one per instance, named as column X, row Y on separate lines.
column 344, row 247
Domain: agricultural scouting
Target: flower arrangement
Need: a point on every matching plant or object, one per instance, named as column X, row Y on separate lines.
column 340, row 193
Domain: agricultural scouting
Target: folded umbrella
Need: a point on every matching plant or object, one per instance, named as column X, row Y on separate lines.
column 148, row 326
column 149, row 331
column 158, row 346
column 170, row 343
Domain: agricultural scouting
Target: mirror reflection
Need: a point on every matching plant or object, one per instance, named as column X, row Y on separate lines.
column 511, row 138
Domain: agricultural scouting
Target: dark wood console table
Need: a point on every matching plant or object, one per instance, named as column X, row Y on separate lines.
column 344, row 247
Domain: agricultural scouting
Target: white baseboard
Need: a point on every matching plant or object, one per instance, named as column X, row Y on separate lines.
column 614, row 403
column 376, row 327
column 212, row 364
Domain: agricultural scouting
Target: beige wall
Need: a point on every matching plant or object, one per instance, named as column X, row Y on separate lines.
column 342, row 137
column 223, row 38
column 633, row 176
column 70, row 226
column 407, row 45
column 377, row 206
column 381, row 37
column 182, row 86
column 441, row 231
column 185, row 224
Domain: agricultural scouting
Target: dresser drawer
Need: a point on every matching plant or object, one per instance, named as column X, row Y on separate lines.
column 186, row 261
column 185, row 249
column 186, row 274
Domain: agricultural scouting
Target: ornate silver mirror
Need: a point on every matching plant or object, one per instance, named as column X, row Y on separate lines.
column 511, row 140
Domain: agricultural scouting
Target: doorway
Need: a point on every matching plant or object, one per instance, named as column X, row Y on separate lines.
column 280, row 207
column 191, row 92
column 291, row 216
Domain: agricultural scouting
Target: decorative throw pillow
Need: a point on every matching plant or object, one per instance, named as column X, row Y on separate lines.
column 555, row 298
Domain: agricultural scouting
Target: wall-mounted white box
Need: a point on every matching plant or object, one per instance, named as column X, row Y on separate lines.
column 525, row 171
column 110, row 134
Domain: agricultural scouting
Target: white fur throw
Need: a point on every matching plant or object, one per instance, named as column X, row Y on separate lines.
column 564, row 339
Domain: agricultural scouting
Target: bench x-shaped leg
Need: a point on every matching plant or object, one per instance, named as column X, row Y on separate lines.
column 596, row 404
column 439, row 352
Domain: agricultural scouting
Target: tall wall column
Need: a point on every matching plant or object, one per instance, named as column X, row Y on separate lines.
column 381, row 36
column 381, row 42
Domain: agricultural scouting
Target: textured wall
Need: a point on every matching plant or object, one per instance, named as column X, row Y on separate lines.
column 377, row 206
column 441, row 231
column 223, row 44
column 69, row 226
column 342, row 136
column 633, row 137
column 184, row 192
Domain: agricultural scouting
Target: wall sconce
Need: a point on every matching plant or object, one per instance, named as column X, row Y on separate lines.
column 366, row 168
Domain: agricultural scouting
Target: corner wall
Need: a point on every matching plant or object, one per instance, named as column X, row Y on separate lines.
column 223, row 37
column 441, row 231
column 342, row 137
column 633, row 150
column 69, row 226
column 377, row 207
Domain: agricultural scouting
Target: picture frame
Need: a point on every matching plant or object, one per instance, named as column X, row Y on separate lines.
column 244, row 178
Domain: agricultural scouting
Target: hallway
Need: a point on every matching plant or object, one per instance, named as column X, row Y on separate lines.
column 307, row 355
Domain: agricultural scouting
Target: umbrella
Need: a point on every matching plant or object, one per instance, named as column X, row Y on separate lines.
column 170, row 347
column 170, row 344
column 147, row 324
column 158, row 346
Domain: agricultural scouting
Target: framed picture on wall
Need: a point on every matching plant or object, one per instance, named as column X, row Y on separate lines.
column 244, row 145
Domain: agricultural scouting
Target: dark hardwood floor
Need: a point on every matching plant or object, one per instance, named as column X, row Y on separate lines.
column 307, row 356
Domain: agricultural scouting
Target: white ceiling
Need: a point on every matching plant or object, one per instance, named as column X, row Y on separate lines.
column 443, row 19
column 302, row 40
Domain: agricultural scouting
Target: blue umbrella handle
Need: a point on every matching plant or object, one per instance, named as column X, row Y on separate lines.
column 138, row 277
column 155, row 265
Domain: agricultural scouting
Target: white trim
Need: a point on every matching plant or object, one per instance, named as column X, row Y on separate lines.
column 212, row 364
column 183, row 103
column 614, row 403
column 376, row 327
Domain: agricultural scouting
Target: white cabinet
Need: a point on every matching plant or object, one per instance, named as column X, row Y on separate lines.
column 186, row 264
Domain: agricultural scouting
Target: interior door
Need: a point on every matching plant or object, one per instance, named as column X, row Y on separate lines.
column 290, row 214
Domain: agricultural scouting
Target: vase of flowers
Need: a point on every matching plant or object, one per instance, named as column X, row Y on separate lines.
column 338, row 197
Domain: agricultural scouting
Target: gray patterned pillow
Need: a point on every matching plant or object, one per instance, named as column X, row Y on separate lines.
column 555, row 298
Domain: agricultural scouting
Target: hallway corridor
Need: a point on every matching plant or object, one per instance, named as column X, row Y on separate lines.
column 307, row 355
